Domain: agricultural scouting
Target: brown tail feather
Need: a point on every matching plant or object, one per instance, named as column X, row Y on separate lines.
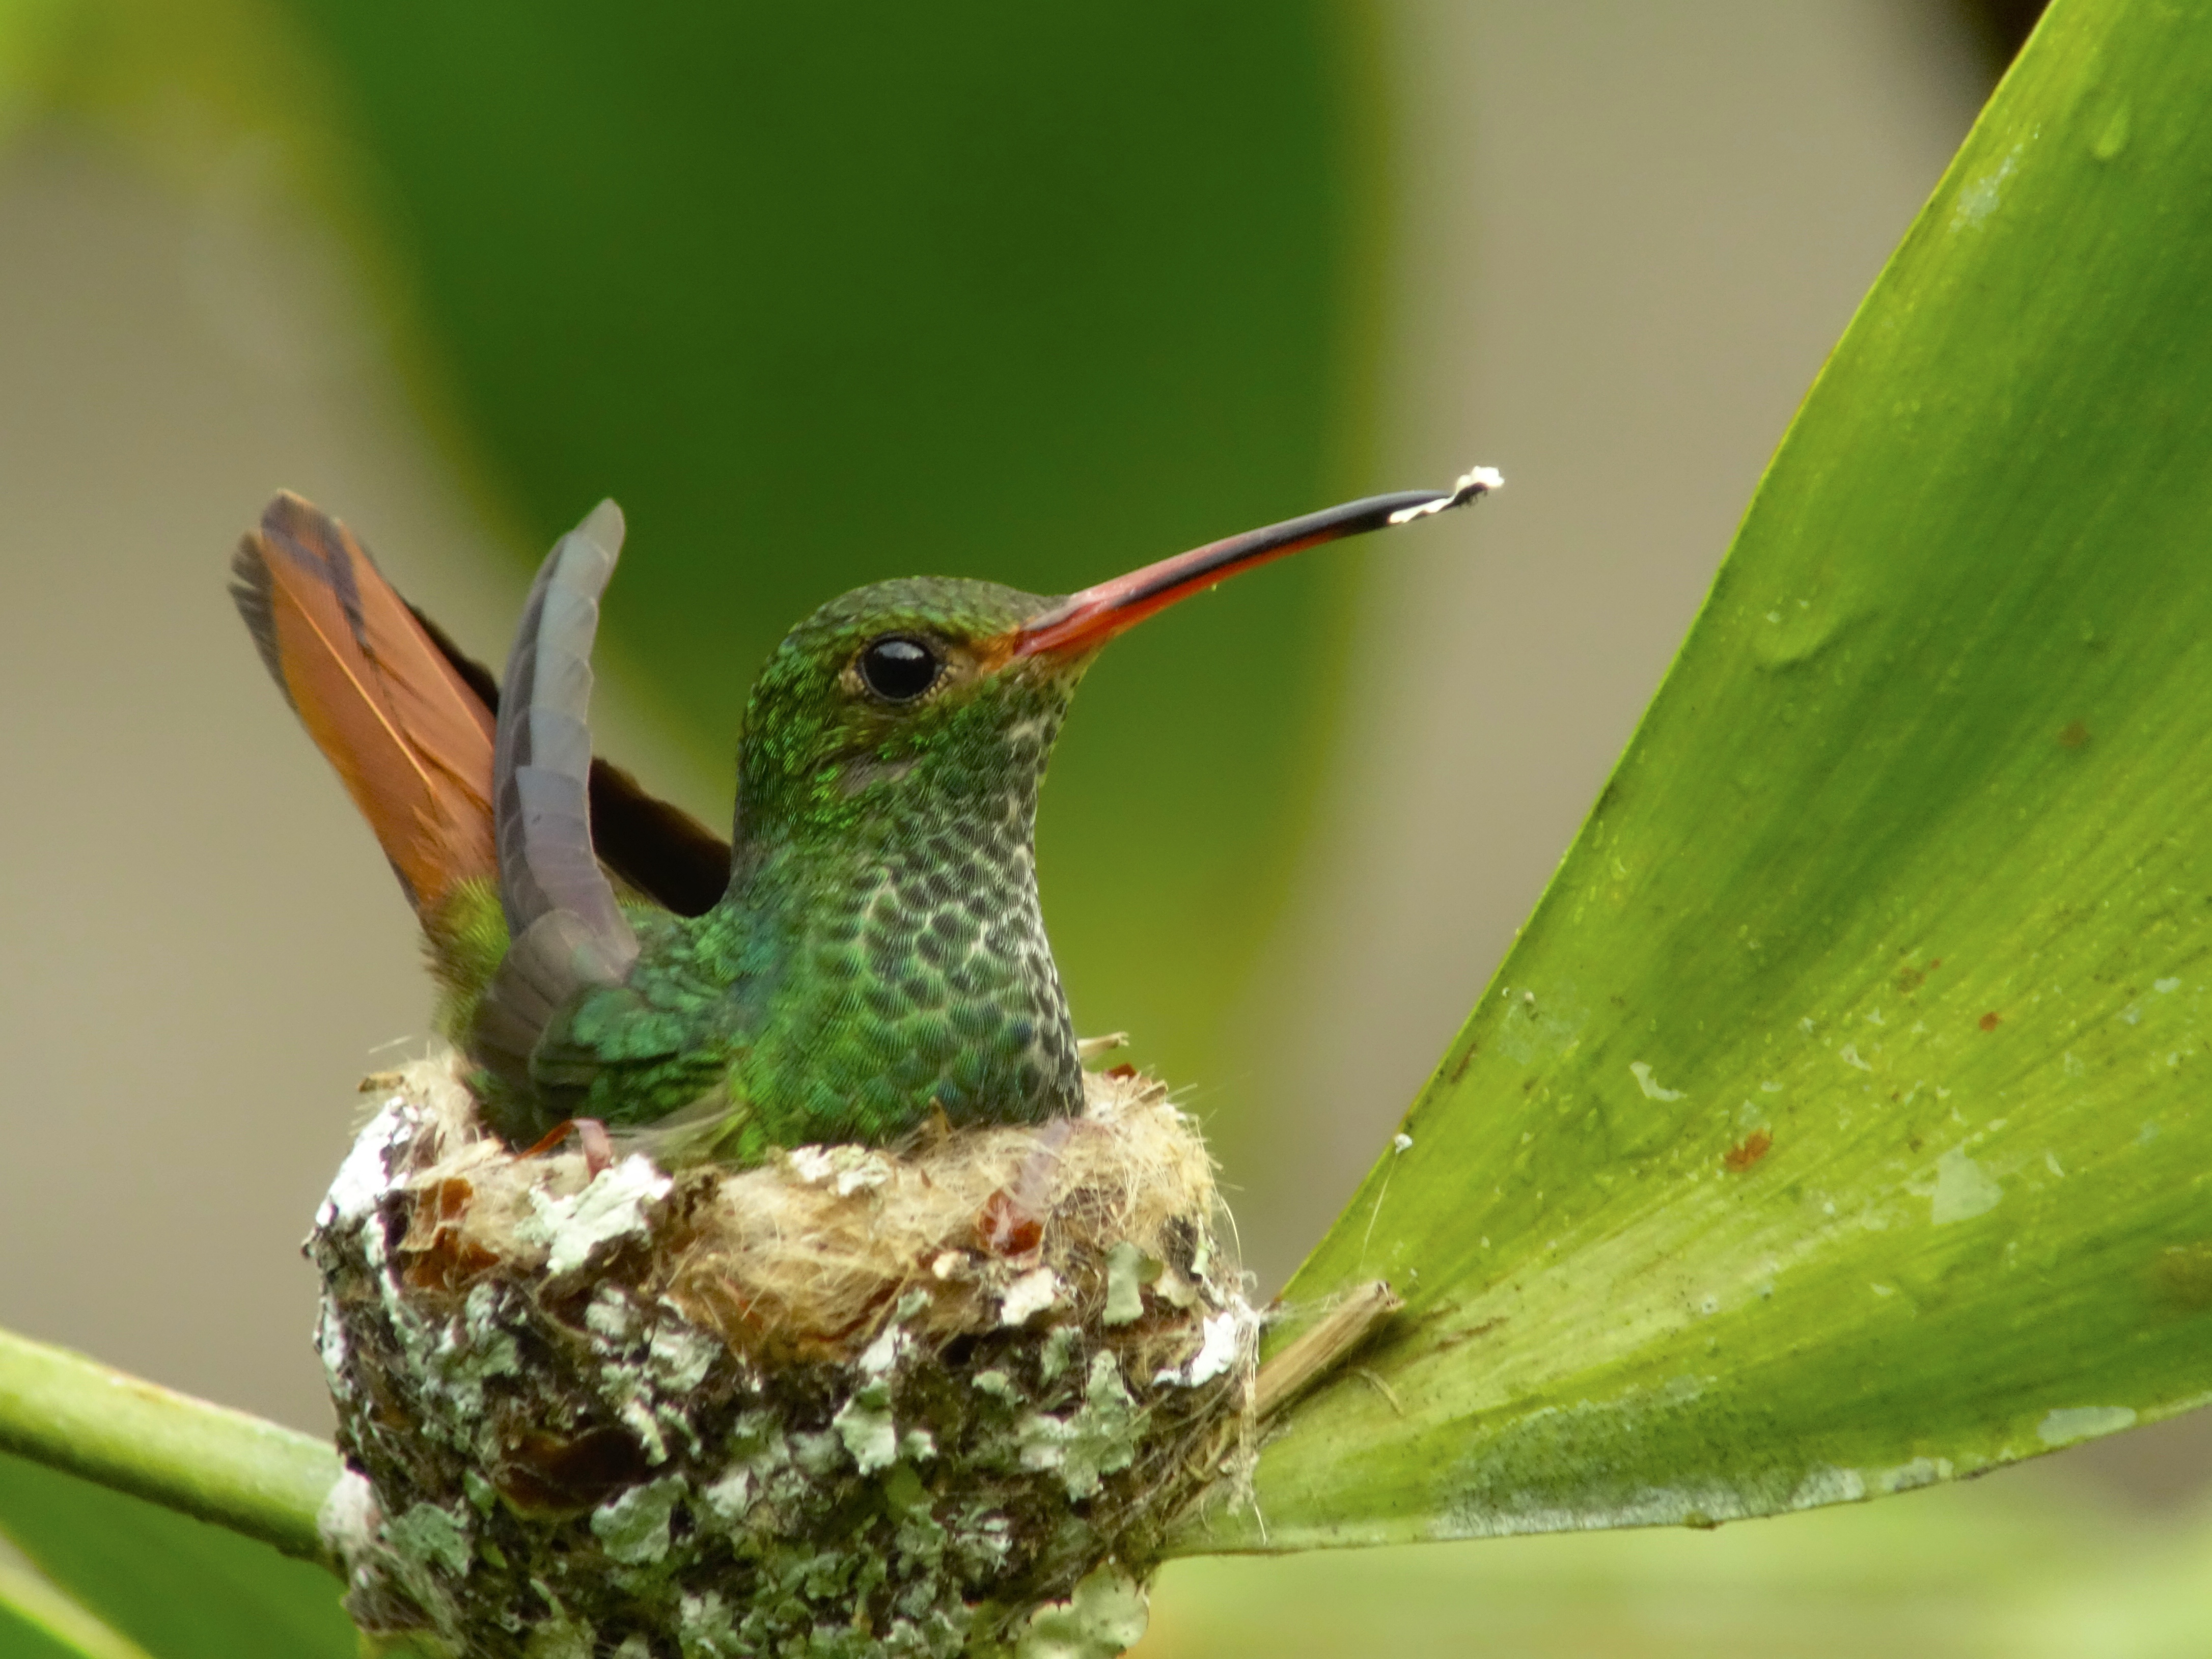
column 411, row 739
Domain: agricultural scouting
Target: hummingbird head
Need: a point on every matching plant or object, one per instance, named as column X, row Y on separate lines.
column 899, row 693
column 882, row 875
column 942, row 697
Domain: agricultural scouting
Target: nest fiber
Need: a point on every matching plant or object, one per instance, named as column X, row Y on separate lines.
column 929, row 1402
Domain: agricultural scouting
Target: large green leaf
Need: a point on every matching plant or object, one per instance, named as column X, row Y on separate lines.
column 179, row 1587
column 1906, row 879
column 830, row 293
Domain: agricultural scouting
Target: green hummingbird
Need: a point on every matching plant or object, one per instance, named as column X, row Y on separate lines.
column 866, row 958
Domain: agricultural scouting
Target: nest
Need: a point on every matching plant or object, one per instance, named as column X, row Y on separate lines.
column 856, row 1400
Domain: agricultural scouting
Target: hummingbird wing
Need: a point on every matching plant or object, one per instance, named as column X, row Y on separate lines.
column 409, row 737
column 542, row 754
column 568, row 932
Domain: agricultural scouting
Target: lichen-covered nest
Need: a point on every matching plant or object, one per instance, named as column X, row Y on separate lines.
column 853, row 1401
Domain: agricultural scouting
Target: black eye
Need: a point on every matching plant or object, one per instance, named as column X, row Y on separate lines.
column 899, row 669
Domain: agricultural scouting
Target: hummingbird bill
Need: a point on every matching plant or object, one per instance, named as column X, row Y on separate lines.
column 865, row 956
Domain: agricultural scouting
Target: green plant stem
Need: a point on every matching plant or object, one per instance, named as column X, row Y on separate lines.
column 239, row 1471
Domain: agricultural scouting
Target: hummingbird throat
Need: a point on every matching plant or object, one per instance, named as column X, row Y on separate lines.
column 908, row 970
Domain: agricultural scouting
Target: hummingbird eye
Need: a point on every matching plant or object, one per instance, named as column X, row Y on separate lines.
column 899, row 669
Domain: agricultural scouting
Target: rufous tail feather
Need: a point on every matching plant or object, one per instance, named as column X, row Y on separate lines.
column 408, row 719
column 408, row 738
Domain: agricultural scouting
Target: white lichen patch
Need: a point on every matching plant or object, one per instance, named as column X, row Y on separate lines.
column 613, row 1207
column 362, row 1178
column 929, row 1401
column 1229, row 1338
column 349, row 1518
column 1128, row 1270
column 866, row 1426
column 1098, row 1439
column 634, row 1527
column 1105, row 1616
column 1028, row 1296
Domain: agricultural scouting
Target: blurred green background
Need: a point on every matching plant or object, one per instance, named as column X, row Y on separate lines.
column 830, row 294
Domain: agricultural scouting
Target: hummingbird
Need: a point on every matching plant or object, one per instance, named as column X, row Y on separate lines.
column 864, row 956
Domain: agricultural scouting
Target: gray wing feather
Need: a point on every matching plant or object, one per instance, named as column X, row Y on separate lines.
column 541, row 756
column 567, row 932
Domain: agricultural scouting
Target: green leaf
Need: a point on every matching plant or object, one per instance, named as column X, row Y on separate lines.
column 1838, row 1123
column 179, row 1587
column 37, row 1621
